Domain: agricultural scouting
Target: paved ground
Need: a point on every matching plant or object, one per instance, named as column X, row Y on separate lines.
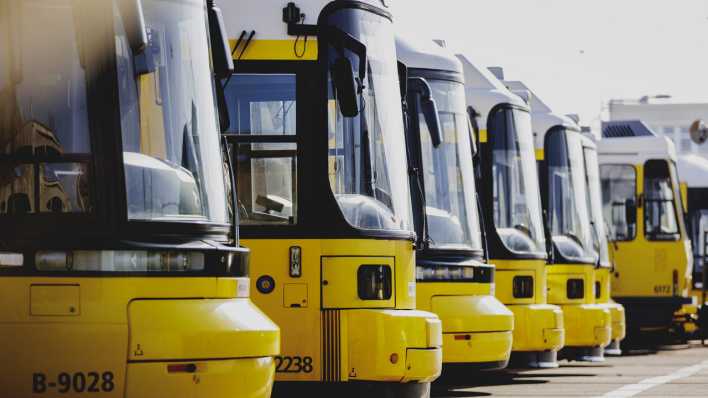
column 673, row 373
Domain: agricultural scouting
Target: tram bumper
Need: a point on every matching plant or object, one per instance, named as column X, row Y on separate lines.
column 477, row 331
column 538, row 327
column 393, row 346
column 200, row 348
column 587, row 325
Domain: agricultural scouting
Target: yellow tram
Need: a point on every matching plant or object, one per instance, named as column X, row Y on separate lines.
column 120, row 274
column 511, row 205
column 571, row 273
column 604, row 266
column 693, row 177
column 454, row 280
column 648, row 240
column 318, row 145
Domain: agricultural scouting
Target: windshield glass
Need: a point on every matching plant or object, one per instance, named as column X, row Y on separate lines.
column 171, row 147
column 45, row 69
column 448, row 176
column 594, row 201
column 569, row 215
column 367, row 158
column 660, row 215
column 516, row 196
column 700, row 244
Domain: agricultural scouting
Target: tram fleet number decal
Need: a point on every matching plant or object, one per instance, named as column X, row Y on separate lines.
column 73, row 382
column 296, row 364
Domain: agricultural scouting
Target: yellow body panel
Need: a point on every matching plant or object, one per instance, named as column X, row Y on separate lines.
column 619, row 321
column 538, row 325
column 644, row 268
column 586, row 324
column 278, row 50
column 101, row 340
column 471, row 310
column 343, row 337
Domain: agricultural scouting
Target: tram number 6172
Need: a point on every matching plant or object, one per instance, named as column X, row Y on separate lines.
column 79, row 382
column 296, row 364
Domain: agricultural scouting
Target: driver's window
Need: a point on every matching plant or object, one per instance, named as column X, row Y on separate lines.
column 618, row 200
column 263, row 111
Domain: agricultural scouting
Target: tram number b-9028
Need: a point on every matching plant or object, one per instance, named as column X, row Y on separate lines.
column 79, row 382
column 296, row 364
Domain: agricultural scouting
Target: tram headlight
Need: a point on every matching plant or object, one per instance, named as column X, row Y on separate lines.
column 575, row 288
column 522, row 286
column 11, row 260
column 374, row 282
column 138, row 261
column 455, row 273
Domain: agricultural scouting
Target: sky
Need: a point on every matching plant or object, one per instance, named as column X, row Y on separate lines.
column 576, row 54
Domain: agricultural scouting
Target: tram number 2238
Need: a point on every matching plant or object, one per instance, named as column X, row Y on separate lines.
column 296, row 364
column 79, row 382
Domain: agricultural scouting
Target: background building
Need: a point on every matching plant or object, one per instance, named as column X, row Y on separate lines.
column 664, row 118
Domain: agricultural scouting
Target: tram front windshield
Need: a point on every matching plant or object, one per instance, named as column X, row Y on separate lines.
column 367, row 158
column 569, row 215
column 594, row 202
column 450, row 196
column 50, row 55
column 516, row 197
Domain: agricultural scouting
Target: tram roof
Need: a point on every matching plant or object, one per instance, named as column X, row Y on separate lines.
column 631, row 141
column 693, row 170
column 426, row 54
column 484, row 91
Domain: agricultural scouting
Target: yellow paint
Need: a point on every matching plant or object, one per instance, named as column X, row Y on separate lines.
column 683, row 189
column 277, row 50
column 586, row 324
column 644, row 268
column 152, row 121
column 538, row 326
column 169, row 318
column 247, row 377
column 482, row 136
column 540, row 154
column 357, row 338
column 619, row 321
column 469, row 308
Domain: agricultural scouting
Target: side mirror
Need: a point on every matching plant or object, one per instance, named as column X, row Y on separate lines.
column 134, row 21
column 630, row 211
column 221, row 51
column 430, row 112
column 403, row 80
column 346, row 87
column 428, row 108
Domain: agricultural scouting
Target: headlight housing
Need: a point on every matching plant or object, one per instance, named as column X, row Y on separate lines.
column 575, row 288
column 522, row 286
column 455, row 273
column 374, row 282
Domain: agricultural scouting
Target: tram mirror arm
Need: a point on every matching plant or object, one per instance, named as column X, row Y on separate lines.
column 346, row 87
column 429, row 109
column 134, row 21
column 221, row 51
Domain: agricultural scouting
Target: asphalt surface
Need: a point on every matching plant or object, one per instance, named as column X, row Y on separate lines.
column 669, row 372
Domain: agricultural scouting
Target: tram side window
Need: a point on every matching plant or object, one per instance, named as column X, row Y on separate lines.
column 44, row 135
column 619, row 186
column 263, row 111
column 660, row 221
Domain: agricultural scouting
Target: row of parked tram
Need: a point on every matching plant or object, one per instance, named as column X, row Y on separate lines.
column 249, row 197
